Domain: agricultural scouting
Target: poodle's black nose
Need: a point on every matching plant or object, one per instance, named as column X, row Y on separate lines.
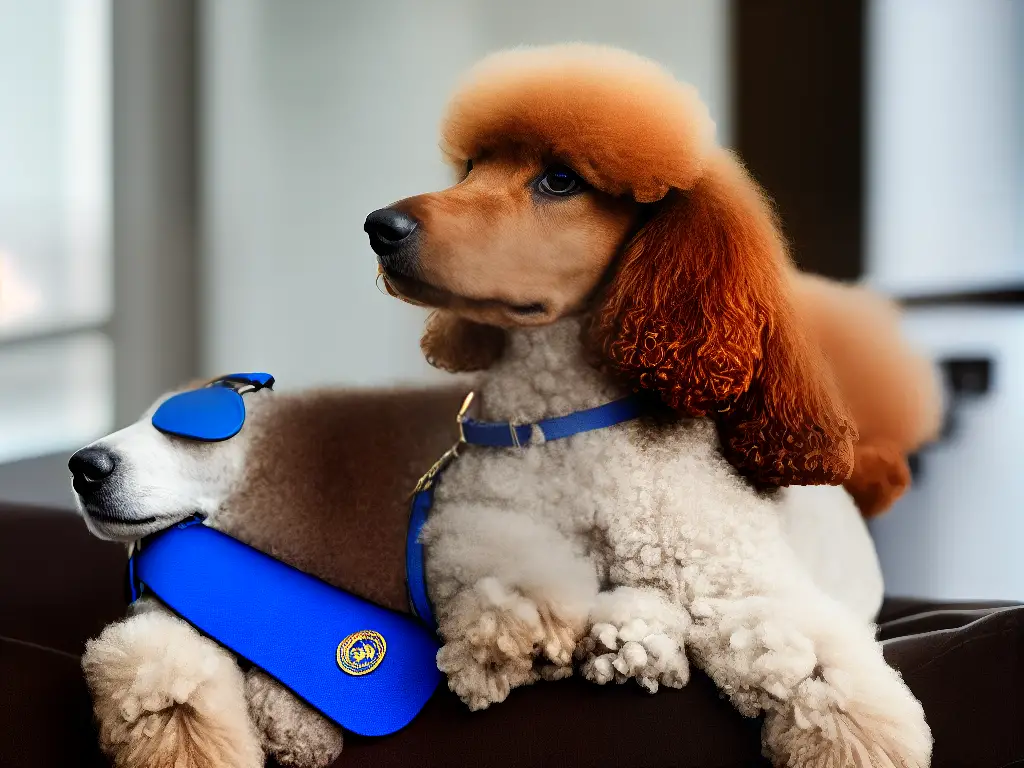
column 90, row 467
column 387, row 229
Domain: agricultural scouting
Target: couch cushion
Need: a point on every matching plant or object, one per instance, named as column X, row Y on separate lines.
column 59, row 585
column 966, row 665
column 45, row 712
column 572, row 723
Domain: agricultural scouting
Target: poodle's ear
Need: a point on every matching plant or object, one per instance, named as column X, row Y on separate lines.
column 457, row 345
column 699, row 312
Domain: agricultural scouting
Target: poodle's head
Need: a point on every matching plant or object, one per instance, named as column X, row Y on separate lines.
column 140, row 479
column 589, row 183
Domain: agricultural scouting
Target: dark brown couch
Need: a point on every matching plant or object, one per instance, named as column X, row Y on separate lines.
column 59, row 586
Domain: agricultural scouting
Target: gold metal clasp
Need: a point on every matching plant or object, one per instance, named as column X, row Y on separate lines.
column 461, row 417
column 451, row 454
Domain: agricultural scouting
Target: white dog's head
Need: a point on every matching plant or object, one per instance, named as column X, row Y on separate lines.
column 140, row 480
column 318, row 478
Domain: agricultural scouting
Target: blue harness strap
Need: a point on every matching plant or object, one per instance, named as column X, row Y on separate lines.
column 415, row 576
column 496, row 435
column 368, row 669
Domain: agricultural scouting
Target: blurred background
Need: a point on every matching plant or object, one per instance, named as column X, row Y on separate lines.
column 183, row 185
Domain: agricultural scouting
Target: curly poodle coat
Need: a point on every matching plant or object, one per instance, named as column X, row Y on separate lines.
column 630, row 547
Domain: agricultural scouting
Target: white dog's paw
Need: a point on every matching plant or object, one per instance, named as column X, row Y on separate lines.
column 499, row 640
column 165, row 695
column 636, row 634
column 834, row 719
column 846, row 737
column 482, row 683
column 295, row 733
column 633, row 651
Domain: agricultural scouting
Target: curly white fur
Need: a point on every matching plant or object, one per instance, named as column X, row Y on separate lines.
column 635, row 542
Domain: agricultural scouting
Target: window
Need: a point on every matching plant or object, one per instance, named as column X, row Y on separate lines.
column 56, row 364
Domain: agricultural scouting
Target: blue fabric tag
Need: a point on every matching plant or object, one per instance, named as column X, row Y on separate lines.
column 369, row 669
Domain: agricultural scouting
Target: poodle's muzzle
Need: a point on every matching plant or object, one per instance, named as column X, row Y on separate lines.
column 393, row 238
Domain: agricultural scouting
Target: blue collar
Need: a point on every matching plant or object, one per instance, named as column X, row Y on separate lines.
column 492, row 434
column 502, row 434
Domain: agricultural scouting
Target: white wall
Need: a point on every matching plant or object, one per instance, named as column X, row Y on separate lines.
column 317, row 112
column 946, row 198
column 958, row 533
column 946, row 159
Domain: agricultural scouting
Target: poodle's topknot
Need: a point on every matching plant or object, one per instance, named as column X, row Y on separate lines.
column 620, row 120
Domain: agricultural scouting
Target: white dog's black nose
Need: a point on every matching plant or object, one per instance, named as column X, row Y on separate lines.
column 388, row 228
column 90, row 467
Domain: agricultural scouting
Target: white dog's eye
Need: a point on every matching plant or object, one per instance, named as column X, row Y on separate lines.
column 559, row 181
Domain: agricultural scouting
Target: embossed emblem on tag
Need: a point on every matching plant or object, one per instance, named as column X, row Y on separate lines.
column 361, row 652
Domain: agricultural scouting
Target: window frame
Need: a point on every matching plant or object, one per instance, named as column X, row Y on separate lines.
column 154, row 237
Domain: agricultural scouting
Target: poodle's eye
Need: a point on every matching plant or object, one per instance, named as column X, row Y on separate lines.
column 559, row 181
column 469, row 165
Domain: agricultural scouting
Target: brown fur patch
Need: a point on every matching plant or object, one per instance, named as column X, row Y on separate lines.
column 894, row 391
column 328, row 480
column 880, row 477
column 455, row 344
